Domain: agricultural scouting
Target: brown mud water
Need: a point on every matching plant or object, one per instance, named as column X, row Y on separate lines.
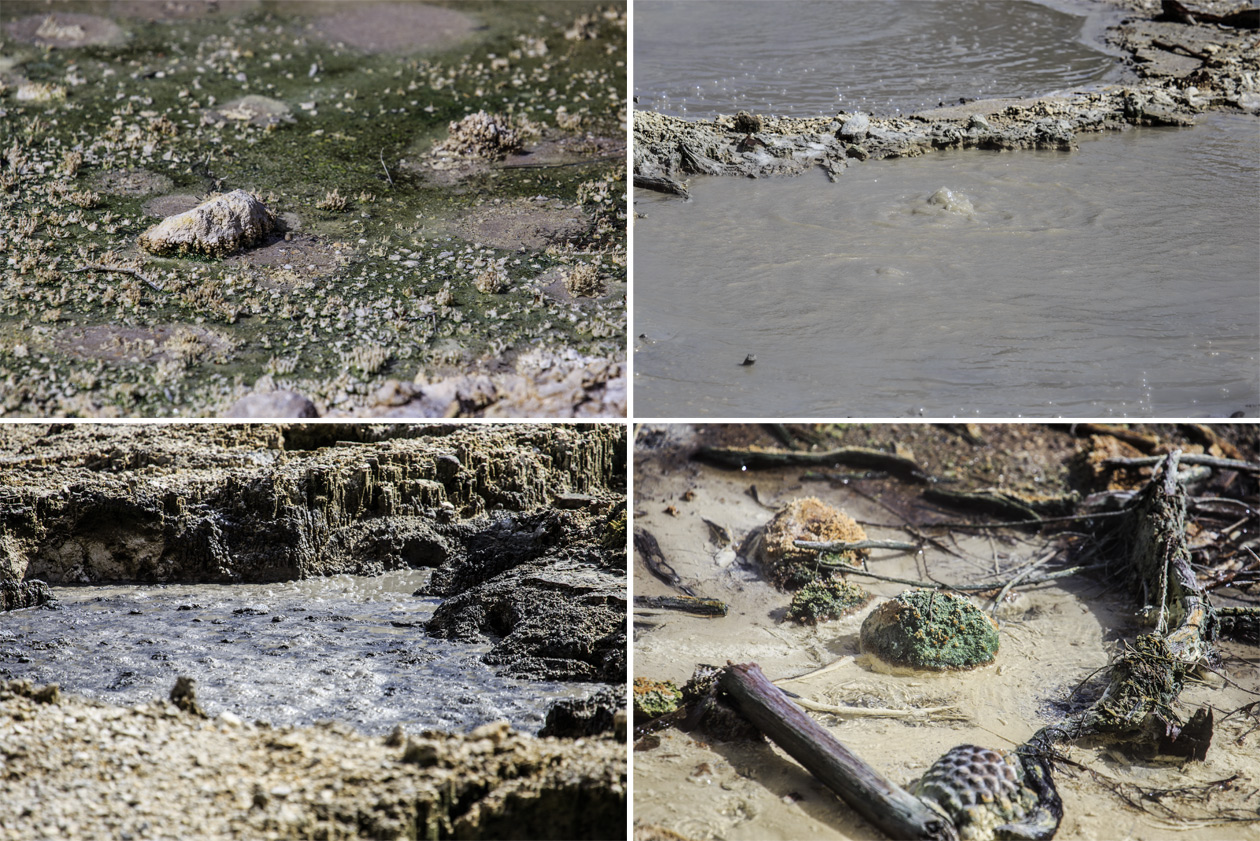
column 1090, row 695
column 799, row 273
column 409, row 272
column 447, row 590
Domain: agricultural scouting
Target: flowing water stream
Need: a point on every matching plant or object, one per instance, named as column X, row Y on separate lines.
column 1122, row 279
column 345, row 647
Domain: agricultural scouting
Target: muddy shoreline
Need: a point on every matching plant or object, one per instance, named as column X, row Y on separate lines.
column 1182, row 69
column 1054, row 635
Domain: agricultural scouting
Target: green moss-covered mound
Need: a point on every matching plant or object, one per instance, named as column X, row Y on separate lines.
column 824, row 599
column 928, row 629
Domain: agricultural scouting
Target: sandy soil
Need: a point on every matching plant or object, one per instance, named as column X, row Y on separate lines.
column 1054, row 637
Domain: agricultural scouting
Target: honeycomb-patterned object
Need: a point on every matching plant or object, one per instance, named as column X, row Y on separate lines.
column 988, row 794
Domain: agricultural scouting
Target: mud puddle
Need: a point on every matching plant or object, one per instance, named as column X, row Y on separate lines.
column 345, row 647
column 1118, row 280
column 702, row 59
column 1053, row 639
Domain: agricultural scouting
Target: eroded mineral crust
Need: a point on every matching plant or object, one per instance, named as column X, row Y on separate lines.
column 215, row 228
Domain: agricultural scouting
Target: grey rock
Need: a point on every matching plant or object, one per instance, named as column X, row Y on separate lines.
column 273, row 404
column 217, row 227
column 855, row 128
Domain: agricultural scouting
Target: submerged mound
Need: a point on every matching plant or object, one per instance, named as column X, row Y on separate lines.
column 928, row 629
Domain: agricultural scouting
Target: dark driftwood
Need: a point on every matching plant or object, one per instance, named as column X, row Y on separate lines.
column 885, row 804
column 685, row 604
column 647, row 547
column 739, row 459
column 1001, row 503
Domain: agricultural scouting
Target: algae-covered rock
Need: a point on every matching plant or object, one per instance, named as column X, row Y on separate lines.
column 217, row 227
column 805, row 519
column 928, row 629
column 653, row 698
column 826, row 598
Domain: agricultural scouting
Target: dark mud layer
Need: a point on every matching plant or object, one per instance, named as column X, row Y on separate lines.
column 372, row 301
column 97, row 505
column 225, row 779
column 1184, row 69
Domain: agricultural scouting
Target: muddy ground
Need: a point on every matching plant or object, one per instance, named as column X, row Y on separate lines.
column 371, row 298
column 71, row 768
column 1056, row 637
column 1179, row 67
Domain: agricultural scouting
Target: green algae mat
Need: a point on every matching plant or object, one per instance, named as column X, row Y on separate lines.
column 447, row 184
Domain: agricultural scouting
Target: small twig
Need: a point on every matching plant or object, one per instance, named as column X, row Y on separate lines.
column 1020, row 576
column 1190, row 458
column 959, row 524
column 387, row 175
column 97, row 267
column 866, row 712
column 855, row 545
column 962, row 588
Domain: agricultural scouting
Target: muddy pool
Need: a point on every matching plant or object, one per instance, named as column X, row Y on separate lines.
column 1117, row 280
column 1054, row 639
column 701, row 59
column 348, row 648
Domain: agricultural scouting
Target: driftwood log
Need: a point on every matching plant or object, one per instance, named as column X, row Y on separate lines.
column 745, row 459
column 1136, row 708
column 896, row 812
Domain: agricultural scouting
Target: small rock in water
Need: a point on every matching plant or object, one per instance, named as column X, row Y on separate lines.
column 855, row 128
column 184, row 696
column 750, row 359
column 216, row 228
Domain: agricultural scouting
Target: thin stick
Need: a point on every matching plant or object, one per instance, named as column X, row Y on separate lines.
column 822, row 670
column 867, row 712
column 936, row 585
column 387, row 175
column 1190, row 458
column 1019, row 576
column 853, row 546
column 97, row 267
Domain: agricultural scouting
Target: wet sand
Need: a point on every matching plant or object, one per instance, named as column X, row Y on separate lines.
column 1054, row 637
